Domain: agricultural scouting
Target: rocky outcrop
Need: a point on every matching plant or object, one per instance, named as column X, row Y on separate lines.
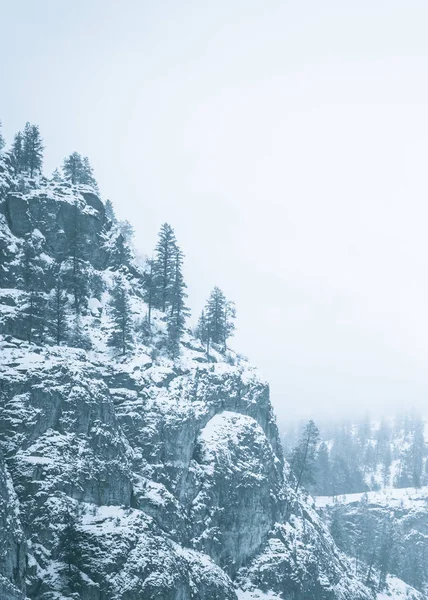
column 388, row 527
column 12, row 541
column 139, row 477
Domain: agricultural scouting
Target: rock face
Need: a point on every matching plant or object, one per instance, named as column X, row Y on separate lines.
column 137, row 478
column 12, row 540
column 391, row 525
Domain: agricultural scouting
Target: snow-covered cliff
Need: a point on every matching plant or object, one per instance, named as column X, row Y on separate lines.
column 137, row 477
column 388, row 528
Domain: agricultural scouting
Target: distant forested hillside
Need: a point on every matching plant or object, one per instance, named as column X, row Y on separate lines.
column 360, row 455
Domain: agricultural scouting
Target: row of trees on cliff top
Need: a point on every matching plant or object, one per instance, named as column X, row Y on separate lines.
column 163, row 282
column 26, row 154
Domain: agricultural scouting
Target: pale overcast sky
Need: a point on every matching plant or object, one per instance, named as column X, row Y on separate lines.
column 287, row 144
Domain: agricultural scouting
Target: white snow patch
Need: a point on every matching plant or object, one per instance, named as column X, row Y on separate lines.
column 389, row 497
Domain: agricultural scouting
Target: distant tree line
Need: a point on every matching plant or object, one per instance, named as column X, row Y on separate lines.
column 346, row 458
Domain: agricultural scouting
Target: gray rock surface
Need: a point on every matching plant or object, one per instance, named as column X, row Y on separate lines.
column 168, row 478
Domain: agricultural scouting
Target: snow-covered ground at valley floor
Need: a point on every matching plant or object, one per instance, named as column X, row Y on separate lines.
column 391, row 497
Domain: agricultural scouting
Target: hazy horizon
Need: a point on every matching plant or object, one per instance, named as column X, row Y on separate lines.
column 286, row 143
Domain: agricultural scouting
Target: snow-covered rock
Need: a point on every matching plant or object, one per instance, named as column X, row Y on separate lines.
column 395, row 521
column 170, row 473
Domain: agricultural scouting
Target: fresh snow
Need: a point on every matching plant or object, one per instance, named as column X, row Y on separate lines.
column 388, row 497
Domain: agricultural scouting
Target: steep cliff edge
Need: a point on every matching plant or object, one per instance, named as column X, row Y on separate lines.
column 136, row 477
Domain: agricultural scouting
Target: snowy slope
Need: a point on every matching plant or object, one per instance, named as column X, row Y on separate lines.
column 406, row 498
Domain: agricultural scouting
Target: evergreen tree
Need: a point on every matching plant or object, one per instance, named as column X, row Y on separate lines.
column 366, row 542
column 69, row 549
column 2, row 140
column 218, row 320
column 33, row 309
column 417, row 451
column 58, row 311
column 149, row 288
column 164, row 267
column 126, row 230
column 79, row 338
column 385, row 552
column 201, row 331
column 403, row 477
column 303, row 457
column 109, row 210
column 364, row 430
column 87, row 177
column 337, row 527
column 414, row 560
column 121, row 336
column 17, row 153
column 215, row 315
column 73, row 168
column 78, row 275
column 96, row 285
column 323, row 471
column 120, row 252
column 32, row 149
column 77, row 170
column 229, row 321
column 178, row 312
column 386, row 466
column 56, row 176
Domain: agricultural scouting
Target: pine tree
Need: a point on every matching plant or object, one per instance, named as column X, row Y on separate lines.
column 58, row 311
column 215, row 315
column 337, row 528
column 79, row 338
column 323, row 471
column 164, row 267
column 2, row 140
column 33, row 149
column 386, row 466
column 96, row 285
column 218, row 320
column 417, row 451
column 385, row 552
column 149, row 288
column 178, row 312
column 126, row 230
column 364, row 429
column 33, row 309
column 69, row 549
column 73, row 168
column 77, row 170
column 78, row 275
column 17, row 153
column 201, row 331
column 34, row 312
column 121, row 336
column 87, row 177
column 414, row 560
column 109, row 210
column 303, row 457
column 365, row 542
column 229, row 321
column 56, row 176
column 120, row 254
